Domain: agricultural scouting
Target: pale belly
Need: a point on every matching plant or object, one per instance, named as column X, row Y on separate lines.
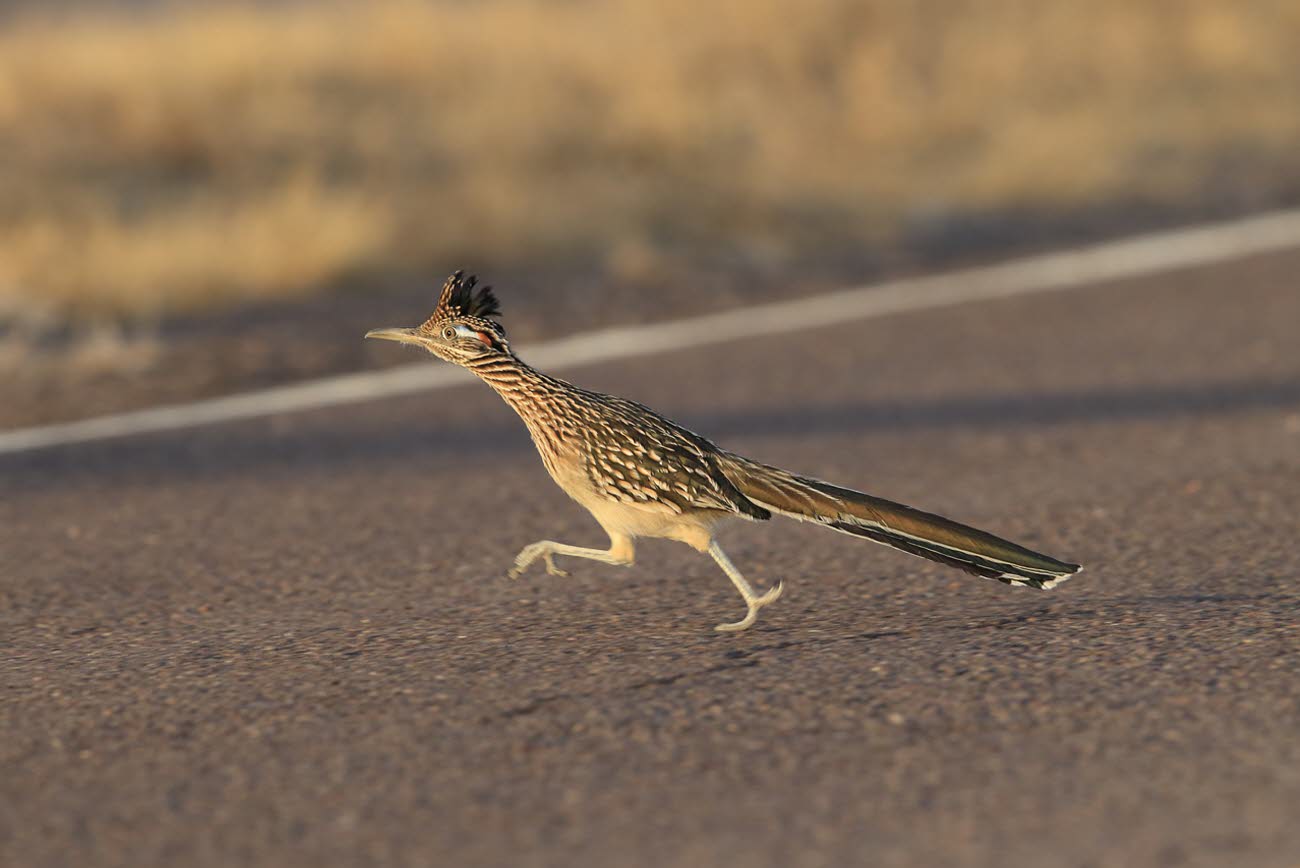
column 655, row 520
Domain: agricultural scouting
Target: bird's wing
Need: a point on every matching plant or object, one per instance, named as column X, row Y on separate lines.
column 641, row 457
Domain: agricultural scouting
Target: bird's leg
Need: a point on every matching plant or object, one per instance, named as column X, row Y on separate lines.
column 752, row 599
column 620, row 553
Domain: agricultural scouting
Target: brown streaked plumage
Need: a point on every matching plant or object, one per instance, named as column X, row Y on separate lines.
column 641, row 475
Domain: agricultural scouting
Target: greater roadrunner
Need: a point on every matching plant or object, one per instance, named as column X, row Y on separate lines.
column 641, row 475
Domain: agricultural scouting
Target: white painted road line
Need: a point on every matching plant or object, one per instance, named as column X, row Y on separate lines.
column 1075, row 269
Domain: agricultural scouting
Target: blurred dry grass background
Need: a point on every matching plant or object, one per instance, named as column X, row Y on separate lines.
column 210, row 154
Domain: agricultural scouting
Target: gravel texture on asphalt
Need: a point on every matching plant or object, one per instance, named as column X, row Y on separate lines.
column 291, row 641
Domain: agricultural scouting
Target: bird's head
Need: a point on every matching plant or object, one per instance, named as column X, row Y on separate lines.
column 459, row 330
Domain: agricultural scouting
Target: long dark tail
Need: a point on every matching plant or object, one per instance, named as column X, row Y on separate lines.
column 920, row 533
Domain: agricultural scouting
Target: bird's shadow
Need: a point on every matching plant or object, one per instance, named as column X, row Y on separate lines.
column 1108, row 609
column 769, row 645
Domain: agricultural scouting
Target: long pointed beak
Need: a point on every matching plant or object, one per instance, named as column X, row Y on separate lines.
column 402, row 336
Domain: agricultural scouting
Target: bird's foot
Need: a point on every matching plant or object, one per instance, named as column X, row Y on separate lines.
column 531, row 553
column 755, row 604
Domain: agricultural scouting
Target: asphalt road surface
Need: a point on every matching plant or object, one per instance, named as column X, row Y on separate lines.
column 291, row 641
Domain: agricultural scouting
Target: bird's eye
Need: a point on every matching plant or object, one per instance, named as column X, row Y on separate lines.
column 449, row 333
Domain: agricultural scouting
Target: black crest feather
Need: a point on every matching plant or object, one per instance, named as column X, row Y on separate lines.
column 462, row 296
